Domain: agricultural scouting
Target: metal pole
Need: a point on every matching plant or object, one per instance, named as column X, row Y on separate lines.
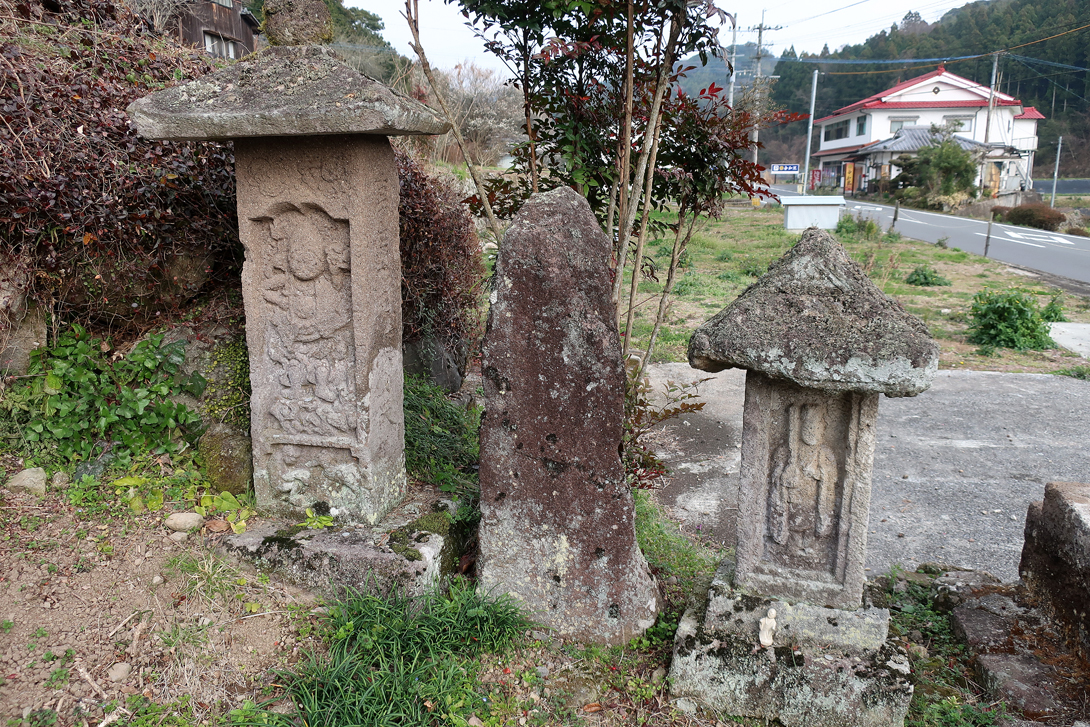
column 1056, row 171
column 988, row 124
column 757, row 85
column 991, row 97
column 809, row 134
column 988, row 237
column 733, row 64
column 896, row 214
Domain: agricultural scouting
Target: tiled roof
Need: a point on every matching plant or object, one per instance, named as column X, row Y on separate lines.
column 1031, row 113
column 914, row 138
column 841, row 150
column 909, row 105
column 876, row 102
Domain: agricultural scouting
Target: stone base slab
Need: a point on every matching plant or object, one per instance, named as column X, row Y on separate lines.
column 737, row 614
column 413, row 548
column 331, row 562
column 825, row 668
column 1056, row 558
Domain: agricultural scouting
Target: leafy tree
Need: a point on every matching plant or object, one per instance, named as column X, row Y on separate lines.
column 944, row 168
column 599, row 116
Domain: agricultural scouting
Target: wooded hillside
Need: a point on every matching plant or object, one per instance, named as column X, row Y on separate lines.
column 1060, row 93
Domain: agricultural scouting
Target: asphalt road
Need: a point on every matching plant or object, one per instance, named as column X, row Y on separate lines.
column 1050, row 252
column 955, row 468
column 1063, row 186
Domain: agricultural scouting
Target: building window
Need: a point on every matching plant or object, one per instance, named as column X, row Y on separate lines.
column 839, row 130
column 861, row 126
column 896, row 124
column 219, row 46
column 959, row 123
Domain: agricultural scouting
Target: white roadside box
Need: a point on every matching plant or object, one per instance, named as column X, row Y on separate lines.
column 802, row 212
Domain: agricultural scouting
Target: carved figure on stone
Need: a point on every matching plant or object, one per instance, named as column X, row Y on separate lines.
column 802, row 496
column 768, row 627
column 307, row 282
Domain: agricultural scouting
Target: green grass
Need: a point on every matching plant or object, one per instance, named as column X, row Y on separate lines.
column 944, row 695
column 1076, row 372
column 398, row 660
column 667, row 549
column 441, row 438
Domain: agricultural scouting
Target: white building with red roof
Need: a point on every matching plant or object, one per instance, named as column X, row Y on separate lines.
column 1006, row 137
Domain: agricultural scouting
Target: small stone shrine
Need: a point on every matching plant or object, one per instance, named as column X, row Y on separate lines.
column 783, row 633
column 318, row 215
column 557, row 518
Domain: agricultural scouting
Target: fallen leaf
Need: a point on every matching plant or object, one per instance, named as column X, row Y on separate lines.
column 429, row 705
column 593, row 707
column 217, row 526
column 474, row 722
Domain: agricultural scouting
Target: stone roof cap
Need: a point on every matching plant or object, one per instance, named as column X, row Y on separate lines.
column 817, row 320
column 282, row 91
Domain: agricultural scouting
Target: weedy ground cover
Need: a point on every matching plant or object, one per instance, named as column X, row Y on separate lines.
column 398, row 659
column 729, row 254
column 945, row 693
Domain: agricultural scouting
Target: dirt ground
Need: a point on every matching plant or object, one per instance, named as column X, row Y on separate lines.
column 96, row 612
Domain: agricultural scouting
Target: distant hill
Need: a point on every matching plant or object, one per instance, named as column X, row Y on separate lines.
column 717, row 70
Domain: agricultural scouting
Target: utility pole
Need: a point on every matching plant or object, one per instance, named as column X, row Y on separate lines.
column 809, row 134
column 1056, row 171
column 733, row 63
column 757, row 80
column 991, row 98
column 988, row 121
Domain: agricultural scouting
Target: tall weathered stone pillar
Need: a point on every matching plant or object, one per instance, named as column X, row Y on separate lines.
column 820, row 342
column 557, row 518
column 317, row 206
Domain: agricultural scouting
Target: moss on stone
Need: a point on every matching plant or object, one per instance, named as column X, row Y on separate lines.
column 283, row 539
column 227, row 396
column 433, row 522
column 399, row 543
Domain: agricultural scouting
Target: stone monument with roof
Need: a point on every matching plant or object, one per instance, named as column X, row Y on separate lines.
column 318, row 215
column 784, row 632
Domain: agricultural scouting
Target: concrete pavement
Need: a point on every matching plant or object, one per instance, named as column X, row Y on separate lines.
column 955, row 468
column 1072, row 336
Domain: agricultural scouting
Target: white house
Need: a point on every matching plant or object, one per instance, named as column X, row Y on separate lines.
column 1008, row 134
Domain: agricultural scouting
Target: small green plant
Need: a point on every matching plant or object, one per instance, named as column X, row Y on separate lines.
column 57, row 679
column 1076, row 372
column 234, row 512
column 943, row 242
column 317, row 522
column 79, row 400
column 859, row 226
column 1053, row 312
column 925, row 275
column 6, row 625
column 1008, row 319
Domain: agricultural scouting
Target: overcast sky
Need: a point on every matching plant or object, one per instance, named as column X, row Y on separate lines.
column 805, row 24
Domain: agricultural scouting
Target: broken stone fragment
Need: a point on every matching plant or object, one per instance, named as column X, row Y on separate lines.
column 30, row 480
column 557, row 517
column 817, row 320
column 281, row 91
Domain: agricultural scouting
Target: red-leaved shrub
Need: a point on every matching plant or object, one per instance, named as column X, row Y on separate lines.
column 1038, row 215
column 114, row 225
column 441, row 269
